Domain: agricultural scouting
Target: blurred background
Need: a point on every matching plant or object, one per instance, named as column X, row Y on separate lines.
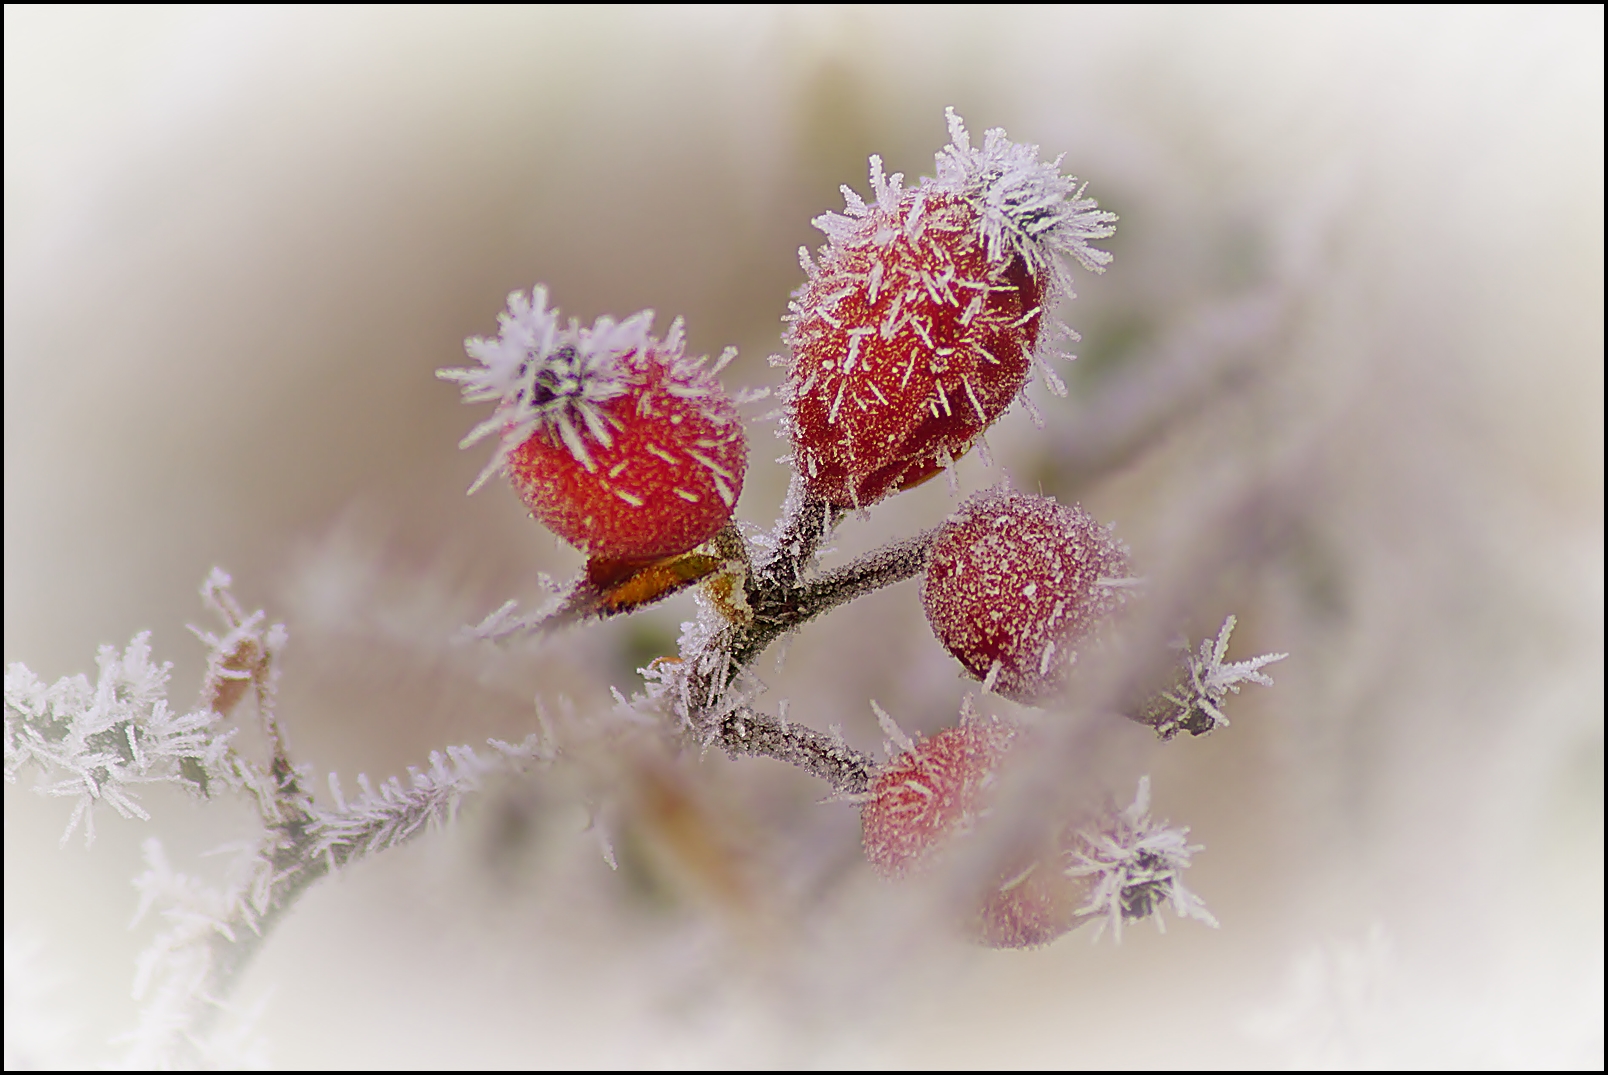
column 1344, row 379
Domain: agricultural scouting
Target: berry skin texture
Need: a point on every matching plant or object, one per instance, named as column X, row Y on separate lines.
column 921, row 801
column 1032, row 908
column 1015, row 582
column 615, row 440
column 911, row 342
column 925, row 314
column 667, row 481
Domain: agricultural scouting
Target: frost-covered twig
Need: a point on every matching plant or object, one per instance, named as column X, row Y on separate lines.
column 395, row 812
column 779, row 595
column 96, row 743
column 747, row 731
column 778, row 609
column 805, row 522
column 188, row 973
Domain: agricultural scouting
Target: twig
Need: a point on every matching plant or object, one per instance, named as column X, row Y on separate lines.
column 747, row 731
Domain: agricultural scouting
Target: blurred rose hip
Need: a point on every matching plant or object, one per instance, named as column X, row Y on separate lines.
column 930, row 794
column 1015, row 582
column 1033, row 906
column 929, row 797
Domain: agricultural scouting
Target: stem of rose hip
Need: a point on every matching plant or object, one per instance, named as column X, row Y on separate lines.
column 747, row 731
column 806, row 522
column 779, row 599
column 781, row 608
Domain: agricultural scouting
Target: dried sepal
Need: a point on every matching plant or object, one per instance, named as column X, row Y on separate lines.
column 1194, row 703
column 1135, row 866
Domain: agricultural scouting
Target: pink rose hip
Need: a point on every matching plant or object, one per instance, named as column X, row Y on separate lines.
column 1015, row 582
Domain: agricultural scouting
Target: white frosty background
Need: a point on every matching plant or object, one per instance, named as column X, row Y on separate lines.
column 238, row 242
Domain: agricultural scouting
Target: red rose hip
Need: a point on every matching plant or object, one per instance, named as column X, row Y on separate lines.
column 1033, row 906
column 614, row 439
column 1015, row 582
column 920, row 323
column 925, row 798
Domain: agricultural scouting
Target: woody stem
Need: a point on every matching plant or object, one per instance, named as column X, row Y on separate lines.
column 781, row 598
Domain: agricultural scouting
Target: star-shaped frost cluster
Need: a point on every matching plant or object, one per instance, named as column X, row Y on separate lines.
column 548, row 376
column 1136, row 866
column 1195, row 703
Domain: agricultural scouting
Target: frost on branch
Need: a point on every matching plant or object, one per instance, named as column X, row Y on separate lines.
column 382, row 818
column 200, row 923
column 1134, row 864
column 98, row 743
column 1195, row 703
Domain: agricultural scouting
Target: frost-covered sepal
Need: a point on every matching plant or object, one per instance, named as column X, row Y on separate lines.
column 1134, row 866
column 546, row 377
column 1194, row 704
column 1028, row 206
column 617, row 441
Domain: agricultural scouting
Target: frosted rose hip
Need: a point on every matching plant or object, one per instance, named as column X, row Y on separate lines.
column 927, row 796
column 921, row 321
column 910, row 343
column 614, row 439
column 1032, row 907
column 1020, row 580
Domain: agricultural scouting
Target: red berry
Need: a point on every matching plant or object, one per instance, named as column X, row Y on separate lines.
column 1033, row 906
column 931, row 796
column 1019, row 581
column 920, row 324
column 928, row 796
column 908, row 344
column 615, row 440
